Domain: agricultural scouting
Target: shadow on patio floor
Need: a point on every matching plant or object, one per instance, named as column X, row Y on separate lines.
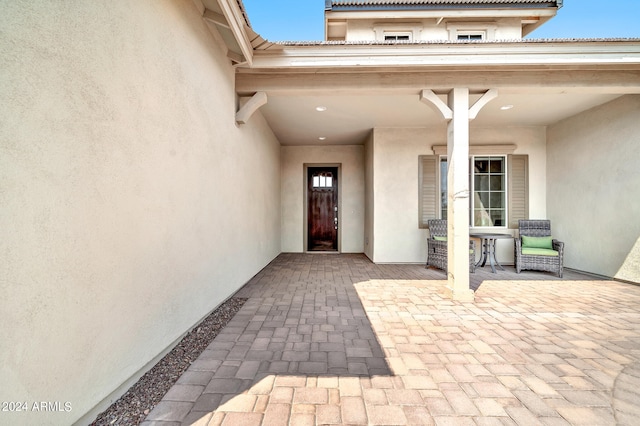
column 336, row 339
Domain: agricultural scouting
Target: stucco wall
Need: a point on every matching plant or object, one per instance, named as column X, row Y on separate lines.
column 131, row 204
column 398, row 238
column 594, row 188
column 351, row 187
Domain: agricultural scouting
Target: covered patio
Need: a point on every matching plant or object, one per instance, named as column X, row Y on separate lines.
column 337, row 339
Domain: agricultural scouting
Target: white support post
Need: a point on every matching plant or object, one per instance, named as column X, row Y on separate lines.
column 458, row 196
column 459, row 114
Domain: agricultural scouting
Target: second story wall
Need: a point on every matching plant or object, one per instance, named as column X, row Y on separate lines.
column 435, row 20
column 431, row 30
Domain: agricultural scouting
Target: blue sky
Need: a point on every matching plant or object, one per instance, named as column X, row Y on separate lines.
column 303, row 20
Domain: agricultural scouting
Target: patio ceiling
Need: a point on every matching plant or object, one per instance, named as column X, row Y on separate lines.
column 348, row 119
column 364, row 86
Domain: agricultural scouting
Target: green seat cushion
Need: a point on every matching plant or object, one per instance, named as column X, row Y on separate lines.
column 539, row 251
column 537, row 242
column 439, row 238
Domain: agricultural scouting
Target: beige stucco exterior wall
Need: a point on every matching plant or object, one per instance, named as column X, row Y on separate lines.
column 427, row 30
column 131, row 204
column 594, row 188
column 351, row 193
column 398, row 238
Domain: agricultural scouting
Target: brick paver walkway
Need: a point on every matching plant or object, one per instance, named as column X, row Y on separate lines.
column 335, row 339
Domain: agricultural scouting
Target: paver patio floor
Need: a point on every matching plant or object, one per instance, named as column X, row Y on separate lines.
column 336, row 339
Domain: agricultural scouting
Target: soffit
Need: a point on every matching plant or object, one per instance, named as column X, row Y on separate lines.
column 545, row 82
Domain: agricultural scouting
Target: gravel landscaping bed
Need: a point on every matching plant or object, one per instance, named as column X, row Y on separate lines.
column 132, row 408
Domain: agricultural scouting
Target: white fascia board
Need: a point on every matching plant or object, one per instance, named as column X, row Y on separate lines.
column 454, row 54
column 235, row 19
column 436, row 14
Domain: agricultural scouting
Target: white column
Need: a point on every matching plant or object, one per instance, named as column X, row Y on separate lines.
column 459, row 114
column 458, row 196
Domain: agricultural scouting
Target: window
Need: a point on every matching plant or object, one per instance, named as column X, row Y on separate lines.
column 397, row 36
column 465, row 31
column 489, row 189
column 323, row 180
column 471, row 36
column 406, row 31
column 499, row 184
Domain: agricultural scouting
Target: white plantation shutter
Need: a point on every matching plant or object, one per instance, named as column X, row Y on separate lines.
column 518, row 178
column 428, row 189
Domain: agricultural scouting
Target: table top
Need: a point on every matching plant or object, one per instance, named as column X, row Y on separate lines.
column 489, row 235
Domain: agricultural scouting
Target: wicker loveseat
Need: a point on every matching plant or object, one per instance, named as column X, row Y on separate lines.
column 437, row 246
column 535, row 248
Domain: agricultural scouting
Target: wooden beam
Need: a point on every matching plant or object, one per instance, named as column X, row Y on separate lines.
column 603, row 80
column 430, row 98
column 480, row 103
column 215, row 18
column 246, row 111
column 236, row 57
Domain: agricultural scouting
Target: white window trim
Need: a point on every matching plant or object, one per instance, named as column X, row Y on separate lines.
column 472, row 190
column 488, row 29
column 482, row 34
column 412, row 29
column 397, row 34
column 505, row 149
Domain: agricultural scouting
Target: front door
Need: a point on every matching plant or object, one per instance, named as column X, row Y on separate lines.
column 322, row 216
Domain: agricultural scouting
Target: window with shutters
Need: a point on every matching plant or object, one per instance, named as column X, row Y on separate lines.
column 498, row 184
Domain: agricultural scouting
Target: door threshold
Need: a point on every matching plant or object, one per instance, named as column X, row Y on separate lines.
column 321, row 252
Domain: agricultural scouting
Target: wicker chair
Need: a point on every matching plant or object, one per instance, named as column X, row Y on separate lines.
column 437, row 246
column 550, row 261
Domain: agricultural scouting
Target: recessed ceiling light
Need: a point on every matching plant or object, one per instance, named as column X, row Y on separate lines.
column 506, row 107
column 321, row 108
column 322, row 138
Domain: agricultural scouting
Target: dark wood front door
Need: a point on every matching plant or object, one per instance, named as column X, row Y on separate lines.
column 322, row 190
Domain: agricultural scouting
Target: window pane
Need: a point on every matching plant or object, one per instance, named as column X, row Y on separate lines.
column 497, row 183
column 316, row 181
column 484, row 199
column 481, row 217
column 498, row 217
column 497, row 165
column 329, row 181
column 497, row 200
column 481, row 183
column 481, row 165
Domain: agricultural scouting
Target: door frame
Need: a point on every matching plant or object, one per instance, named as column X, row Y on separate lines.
column 305, row 211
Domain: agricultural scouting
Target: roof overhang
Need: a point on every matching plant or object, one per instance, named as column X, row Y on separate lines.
column 370, row 85
column 373, row 56
column 229, row 20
